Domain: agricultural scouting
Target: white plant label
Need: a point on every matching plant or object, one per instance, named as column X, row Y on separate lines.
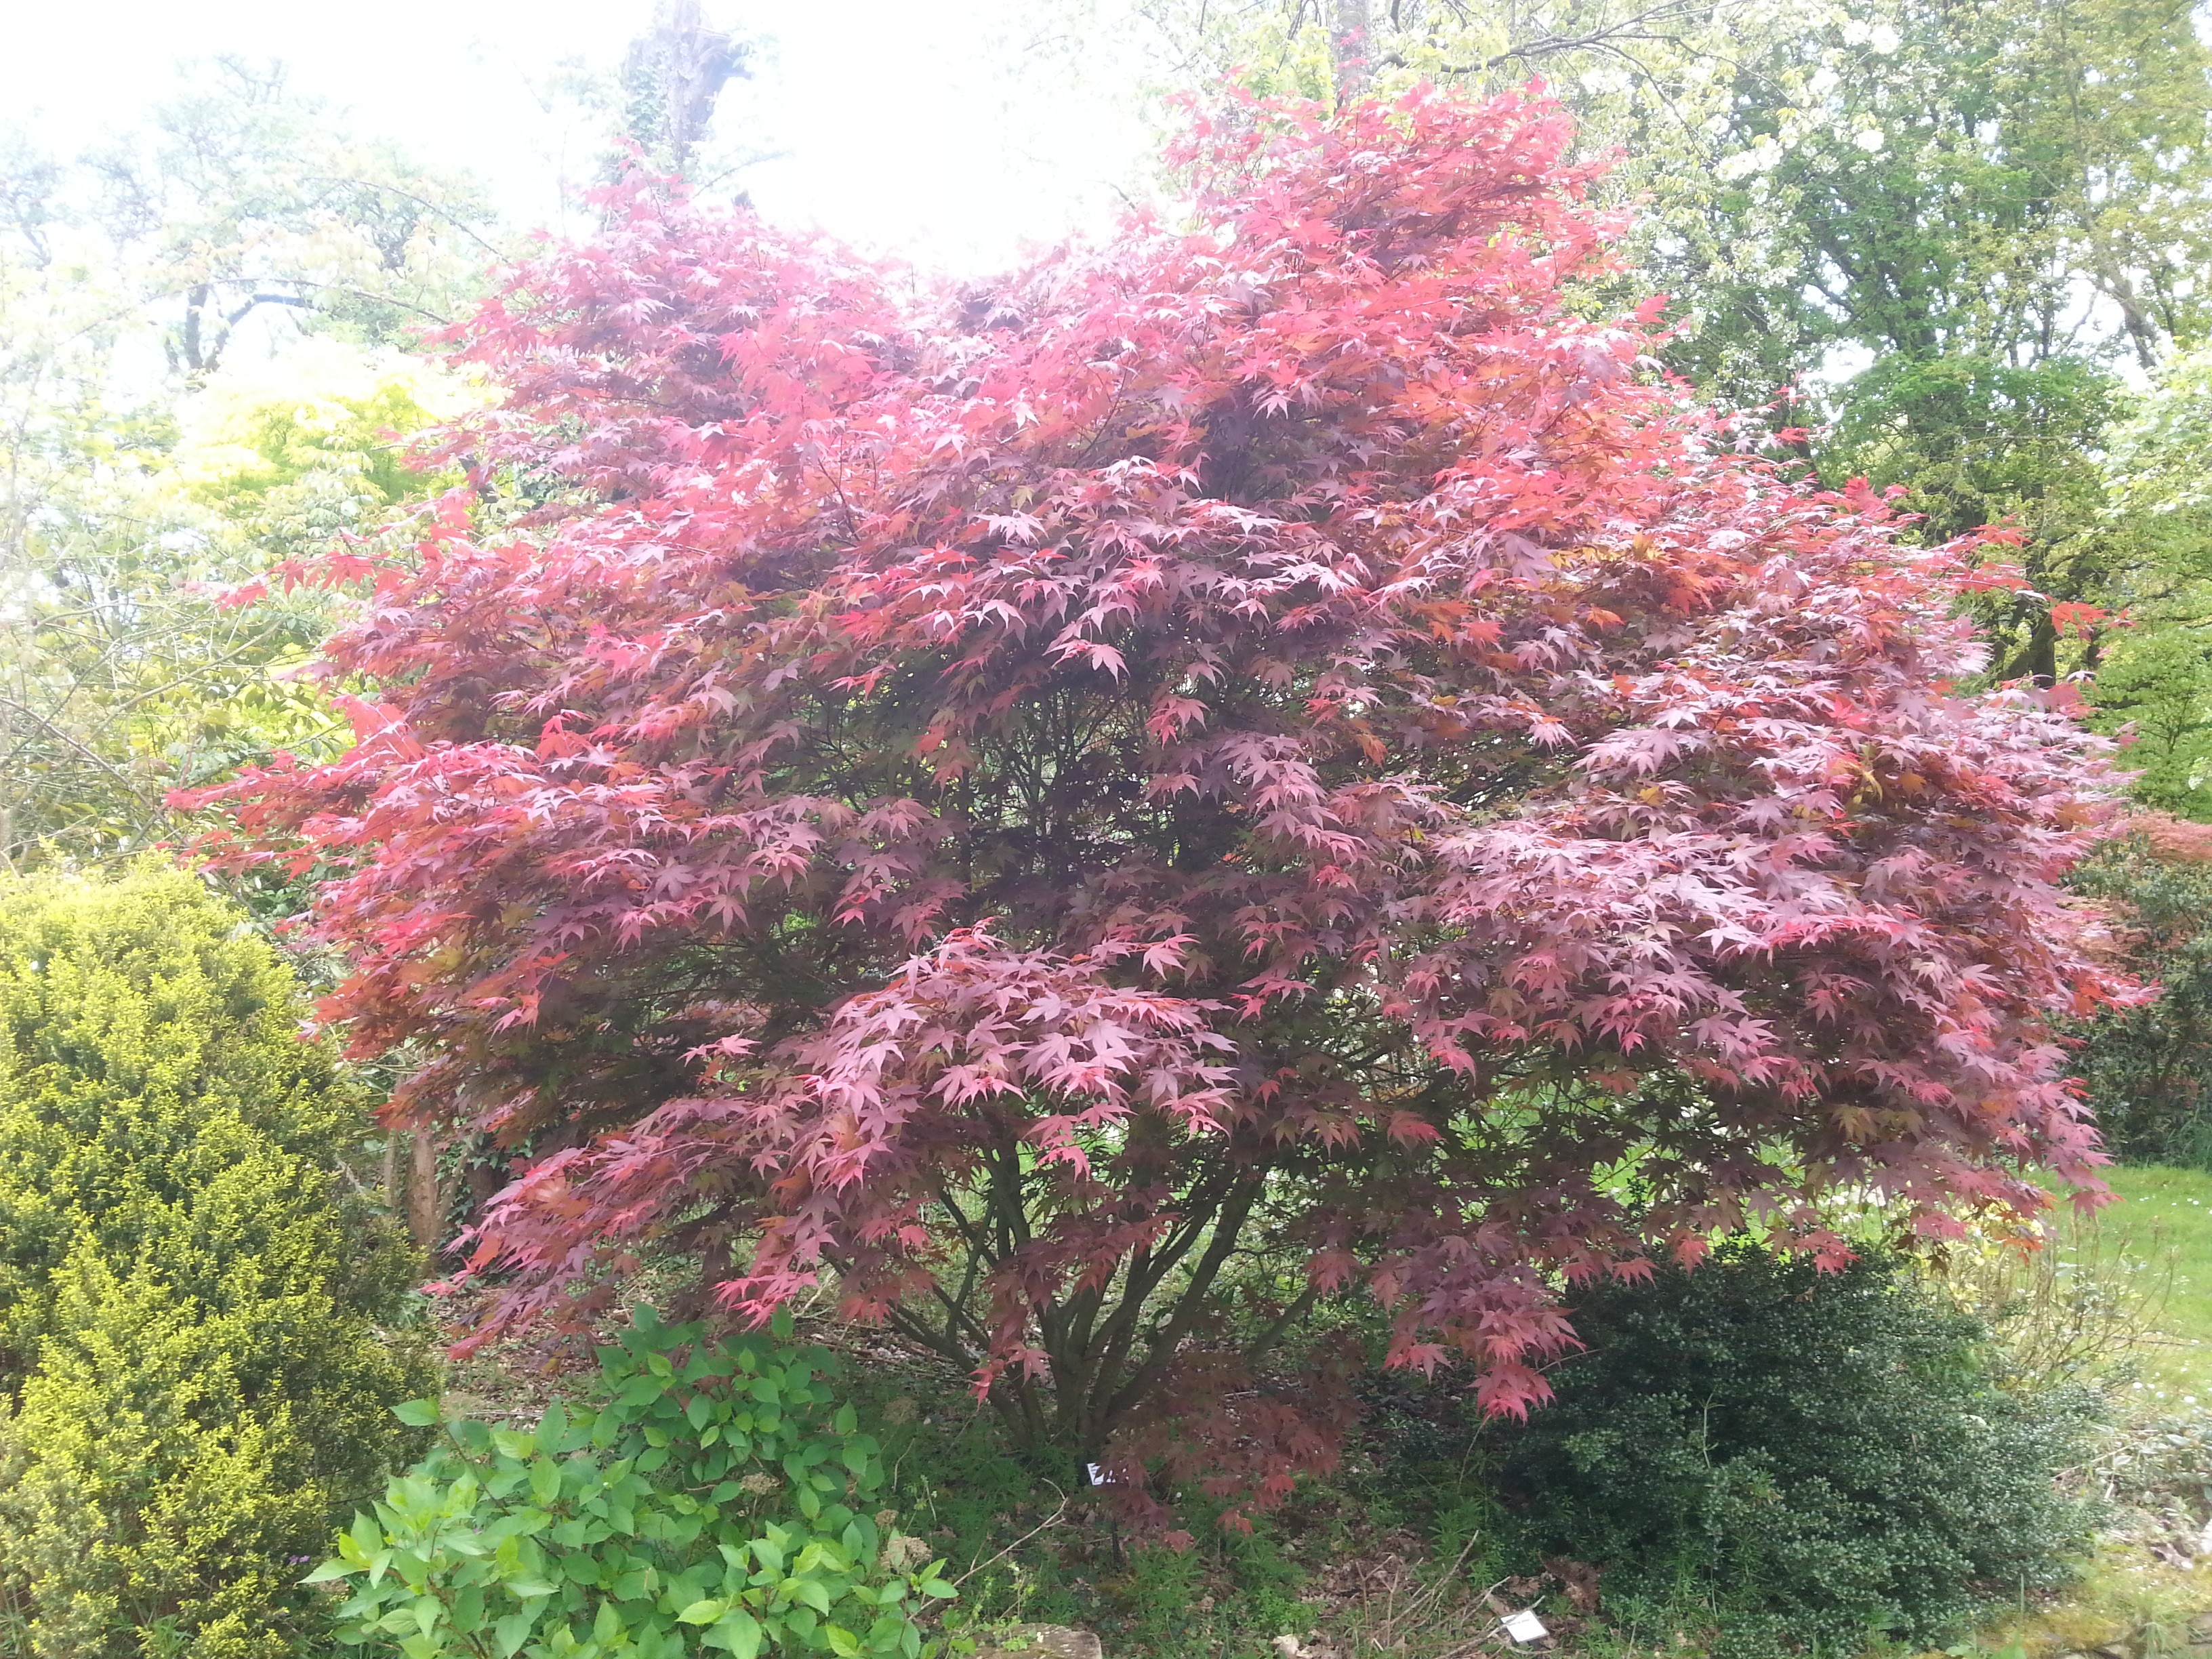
column 1525, row 1626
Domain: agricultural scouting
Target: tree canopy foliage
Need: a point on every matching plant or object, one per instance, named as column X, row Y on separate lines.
column 1267, row 763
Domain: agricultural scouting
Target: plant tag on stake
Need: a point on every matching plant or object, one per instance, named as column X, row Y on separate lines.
column 1525, row 1626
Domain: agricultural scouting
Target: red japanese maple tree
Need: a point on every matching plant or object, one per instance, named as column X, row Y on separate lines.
column 1261, row 765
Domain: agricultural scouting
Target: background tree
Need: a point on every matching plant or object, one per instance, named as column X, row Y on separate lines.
column 1988, row 202
column 671, row 80
column 130, row 499
column 242, row 199
column 2155, row 681
column 2147, row 1067
column 1260, row 768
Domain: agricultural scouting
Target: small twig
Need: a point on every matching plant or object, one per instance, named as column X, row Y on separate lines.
column 1051, row 1520
column 356, row 1182
column 1394, row 1625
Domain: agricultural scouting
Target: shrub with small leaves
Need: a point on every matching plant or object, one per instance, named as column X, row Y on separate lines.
column 201, row 1330
column 715, row 1497
column 1802, row 1460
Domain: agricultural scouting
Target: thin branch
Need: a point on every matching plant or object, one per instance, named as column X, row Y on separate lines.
column 1050, row 1521
column 419, row 200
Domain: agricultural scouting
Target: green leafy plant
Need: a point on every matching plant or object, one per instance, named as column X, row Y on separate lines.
column 717, row 1495
column 1799, row 1459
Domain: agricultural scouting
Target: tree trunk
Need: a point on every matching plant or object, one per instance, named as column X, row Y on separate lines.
column 426, row 1209
column 1349, row 48
column 673, row 75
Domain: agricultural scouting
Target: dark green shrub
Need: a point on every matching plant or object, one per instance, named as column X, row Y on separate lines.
column 1812, row 1458
column 2146, row 1069
column 715, row 1496
column 194, row 1385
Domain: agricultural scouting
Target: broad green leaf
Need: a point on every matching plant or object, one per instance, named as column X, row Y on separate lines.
column 418, row 1413
column 738, row 1633
column 468, row 1610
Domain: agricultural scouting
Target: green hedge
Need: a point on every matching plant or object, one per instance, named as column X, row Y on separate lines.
column 196, row 1375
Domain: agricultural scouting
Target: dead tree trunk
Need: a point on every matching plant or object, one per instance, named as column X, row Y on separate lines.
column 426, row 1204
column 1349, row 50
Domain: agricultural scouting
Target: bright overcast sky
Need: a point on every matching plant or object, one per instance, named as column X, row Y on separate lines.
column 943, row 129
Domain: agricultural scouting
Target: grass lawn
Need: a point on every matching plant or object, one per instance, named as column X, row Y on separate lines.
column 2165, row 1217
column 2129, row 1600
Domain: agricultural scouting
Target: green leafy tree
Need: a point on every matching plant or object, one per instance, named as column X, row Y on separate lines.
column 2154, row 688
column 1972, row 439
column 128, row 505
column 1988, row 203
column 2156, row 681
column 1945, row 179
column 124, row 670
column 243, row 204
column 195, row 1362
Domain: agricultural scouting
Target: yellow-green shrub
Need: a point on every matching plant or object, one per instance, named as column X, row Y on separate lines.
column 195, row 1380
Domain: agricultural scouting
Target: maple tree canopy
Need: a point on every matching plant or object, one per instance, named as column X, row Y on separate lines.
column 1259, row 766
